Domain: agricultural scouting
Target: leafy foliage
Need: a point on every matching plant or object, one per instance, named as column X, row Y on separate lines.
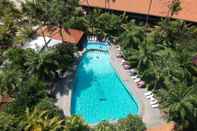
column 75, row 123
column 180, row 104
column 131, row 123
column 7, row 122
column 164, row 59
column 105, row 126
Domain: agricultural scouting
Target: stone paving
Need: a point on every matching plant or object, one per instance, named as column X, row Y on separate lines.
column 151, row 116
column 63, row 96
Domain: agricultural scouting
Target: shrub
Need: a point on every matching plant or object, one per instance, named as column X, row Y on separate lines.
column 131, row 123
column 105, row 126
column 75, row 123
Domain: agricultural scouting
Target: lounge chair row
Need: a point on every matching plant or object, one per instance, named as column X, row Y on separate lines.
column 149, row 96
column 92, row 38
column 131, row 72
column 134, row 75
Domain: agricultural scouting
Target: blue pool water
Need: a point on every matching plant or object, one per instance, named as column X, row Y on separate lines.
column 96, row 45
column 98, row 92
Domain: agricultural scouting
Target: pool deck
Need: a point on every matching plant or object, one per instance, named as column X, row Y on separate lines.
column 63, row 89
column 151, row 116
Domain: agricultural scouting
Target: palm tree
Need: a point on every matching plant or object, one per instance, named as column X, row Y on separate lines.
column 173, row 8
column 105, row 126
column 43, row 65
column 132, row 36
column 148, row 12
column 8, row 31
column 75, row 123
column 131, row 123
column 180, row 104
column 9, row 82
column 40, row 121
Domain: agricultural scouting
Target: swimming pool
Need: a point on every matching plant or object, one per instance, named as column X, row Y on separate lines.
column 98, row 92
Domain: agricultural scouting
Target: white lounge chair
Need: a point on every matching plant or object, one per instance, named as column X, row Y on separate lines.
column 122, row 61
column 118, row 49
column 91, row 38
column 150, row 96
column 148, row 93
column 137, row 80
column 118, row 55
column 132, row 71
column 153, row 102
column 152, row 99
column 155, row 105
column 134, row 76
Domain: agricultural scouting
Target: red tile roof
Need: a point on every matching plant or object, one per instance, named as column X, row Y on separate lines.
column 163, row 127
column 5, row 99
column 158, row 8
column 69, row 35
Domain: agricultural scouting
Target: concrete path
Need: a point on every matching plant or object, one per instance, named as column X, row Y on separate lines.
column 63, row 96
column 151, row 116
column 63, row 89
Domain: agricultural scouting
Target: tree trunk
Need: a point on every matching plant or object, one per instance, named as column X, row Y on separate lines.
column 61, row 29
column 91, row 21
column 148, row 12
column 42, row 31
column 44, row 37
column 105, row 5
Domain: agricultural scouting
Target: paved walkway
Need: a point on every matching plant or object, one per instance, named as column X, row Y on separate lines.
column 63, row 96
column 151, row 116
column 64, row 89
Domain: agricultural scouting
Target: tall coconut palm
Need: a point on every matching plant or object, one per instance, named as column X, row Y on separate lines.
column 173, row 8
column 180, row 104
column 148, row 12
column 132, row 36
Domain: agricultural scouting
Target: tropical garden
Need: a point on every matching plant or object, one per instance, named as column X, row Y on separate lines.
column 162, row 53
